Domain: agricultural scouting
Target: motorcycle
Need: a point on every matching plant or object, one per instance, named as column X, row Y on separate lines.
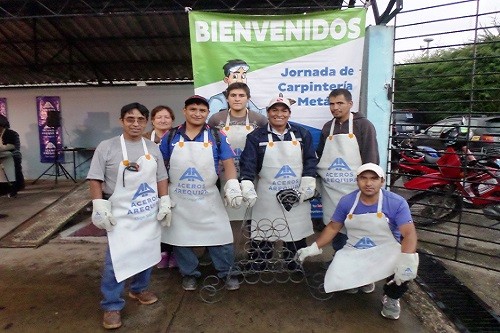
column 411, row 161
column 476, row 183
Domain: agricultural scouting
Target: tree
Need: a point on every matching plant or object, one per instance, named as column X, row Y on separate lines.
column 454, row 81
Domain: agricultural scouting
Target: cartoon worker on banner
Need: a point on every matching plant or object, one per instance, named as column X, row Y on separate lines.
column 234, row 71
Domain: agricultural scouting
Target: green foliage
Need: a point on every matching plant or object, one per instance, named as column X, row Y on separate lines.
column 452, row 81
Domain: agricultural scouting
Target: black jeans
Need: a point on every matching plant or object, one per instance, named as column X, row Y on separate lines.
column 393, row 290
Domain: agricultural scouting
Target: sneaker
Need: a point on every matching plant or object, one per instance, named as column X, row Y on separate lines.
column 111, row 320
column 391, row 308
column 369, row 288
column 172, row 263
column 144, row 297
column 232, row 283
column 189, row 283
column 164, row 260
column 352, row 291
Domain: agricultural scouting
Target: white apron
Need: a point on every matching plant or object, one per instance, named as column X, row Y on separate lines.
column 134, row 241
column 281, row 169
column 370, row 254
column 199, row 217
column 8, row 172
column 337, row 169
column 153, row 136
column 236, row 136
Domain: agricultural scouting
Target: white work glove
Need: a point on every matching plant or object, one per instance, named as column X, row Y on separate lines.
column 248, row 192
column 311, row 250
column 406, row 267
column 101, row 214
column 307, row 188
column 165, row 211
column 232, row 193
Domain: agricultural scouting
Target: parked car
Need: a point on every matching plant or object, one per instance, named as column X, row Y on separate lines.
column 406, row 122
column 484, row 132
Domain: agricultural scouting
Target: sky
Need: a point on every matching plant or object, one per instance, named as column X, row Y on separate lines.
column 412, row 37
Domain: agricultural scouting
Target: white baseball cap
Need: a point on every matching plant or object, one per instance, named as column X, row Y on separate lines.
column 279, row 100
column 371, row 167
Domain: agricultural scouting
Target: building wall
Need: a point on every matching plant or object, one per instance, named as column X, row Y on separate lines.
column 89, row 115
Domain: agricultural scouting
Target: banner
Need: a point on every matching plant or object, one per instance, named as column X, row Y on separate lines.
column 3, row 106
column 303, row 56
column 50, row 136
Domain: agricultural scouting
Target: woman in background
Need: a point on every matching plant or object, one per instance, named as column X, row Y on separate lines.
column 9, row 141
column 162, row 118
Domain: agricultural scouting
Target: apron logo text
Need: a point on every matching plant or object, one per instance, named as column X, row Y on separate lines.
column 365, row 243
column 143, row 190
column 191, row 174
column 193, row 191
column 339, row 164
column 285, row 172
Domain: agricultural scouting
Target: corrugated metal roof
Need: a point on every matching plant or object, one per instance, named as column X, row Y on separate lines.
column 110, row 42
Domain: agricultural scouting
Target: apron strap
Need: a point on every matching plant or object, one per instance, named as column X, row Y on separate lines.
column 351, row 126
column 205, row 139
column 356, row 201
column 125, row 161
column 247, row 121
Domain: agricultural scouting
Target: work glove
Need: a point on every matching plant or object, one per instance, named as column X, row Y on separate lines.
column 406, row 267
column 307, row 188
column 232, row 193
column 165, row 211
column 311, row 250
column 248, row 192
column 101, row 214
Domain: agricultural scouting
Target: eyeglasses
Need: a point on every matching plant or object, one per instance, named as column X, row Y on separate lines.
column 132, row 120
column 132, row 166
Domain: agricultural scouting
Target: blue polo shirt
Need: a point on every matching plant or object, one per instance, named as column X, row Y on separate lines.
column 225, row 152
column 394, row 207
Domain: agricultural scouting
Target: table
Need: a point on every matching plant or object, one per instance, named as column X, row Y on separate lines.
column 75, row 151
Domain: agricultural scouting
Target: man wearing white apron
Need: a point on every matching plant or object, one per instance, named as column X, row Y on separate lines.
column 381, row 241
column 128, row 182
column 278, row 156
column 346, row 142
column 199, row 217
column 236, row 123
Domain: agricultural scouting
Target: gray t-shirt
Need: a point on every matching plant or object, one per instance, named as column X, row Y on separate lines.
column 108, row 156
column 218, row 120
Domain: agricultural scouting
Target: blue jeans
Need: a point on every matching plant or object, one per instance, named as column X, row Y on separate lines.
column 112, row 290
column 222, row 257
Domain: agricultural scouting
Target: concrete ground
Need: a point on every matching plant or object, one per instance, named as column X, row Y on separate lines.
column 55, row 288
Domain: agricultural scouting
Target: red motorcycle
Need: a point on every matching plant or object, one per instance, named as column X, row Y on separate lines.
column 411, row 161
column 476, row 183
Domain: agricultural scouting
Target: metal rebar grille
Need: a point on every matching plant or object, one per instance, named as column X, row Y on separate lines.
column 466, row 310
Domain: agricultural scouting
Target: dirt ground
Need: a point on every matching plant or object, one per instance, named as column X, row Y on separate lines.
column 55, row 288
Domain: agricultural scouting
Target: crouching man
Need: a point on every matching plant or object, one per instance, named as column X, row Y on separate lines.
column 381, row 241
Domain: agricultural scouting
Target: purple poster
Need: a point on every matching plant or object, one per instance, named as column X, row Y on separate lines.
column 50, row 132
column 3, row 106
